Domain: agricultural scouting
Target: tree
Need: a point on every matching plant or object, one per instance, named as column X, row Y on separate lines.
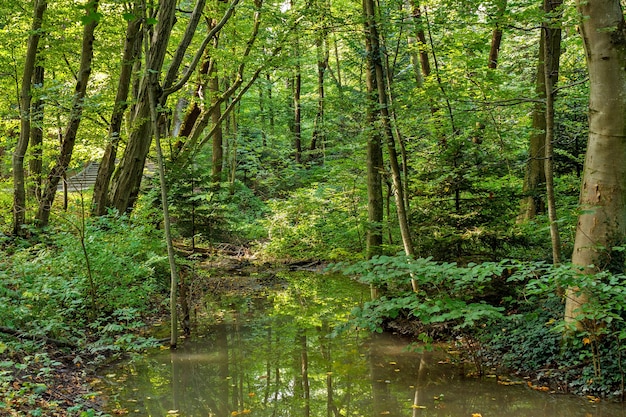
column 375, row 66
column 375, row 166
column 533, row 202
column 90, row 20
column 601, row 225
column 496, row 36
column 131, row 52
column 19, row 188
column 551, row 46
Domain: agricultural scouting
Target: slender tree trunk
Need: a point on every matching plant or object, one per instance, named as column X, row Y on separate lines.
column 36, row 137
column 71, row 130
column 375, row 65
column 216, row 116
column 421, row 39
column 166, row 221
column 321, row 46
column 602, row 223
column 496, row 36
column 297, row 106
column 375, row 167
column 19, row 188
column 194, row 141
column 549, row 75
column 131, row 53
column 533, row 202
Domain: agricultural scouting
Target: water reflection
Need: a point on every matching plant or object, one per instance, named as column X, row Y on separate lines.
column 279, row 361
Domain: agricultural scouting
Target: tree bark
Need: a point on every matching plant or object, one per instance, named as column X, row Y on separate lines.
column 602, row 223
column 71, row 130
column 19, row 189
column 297, row 107
column 421, row 39
column 131, row 53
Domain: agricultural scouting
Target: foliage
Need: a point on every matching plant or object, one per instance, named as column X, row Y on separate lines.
column 320, row 222
column 449, row 297
column 514, row 309
column 213, row 212
column 46, row 289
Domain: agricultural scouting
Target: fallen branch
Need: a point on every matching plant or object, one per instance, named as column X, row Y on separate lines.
column 24, row 335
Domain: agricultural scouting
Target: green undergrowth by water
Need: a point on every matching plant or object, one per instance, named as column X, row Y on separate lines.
column 507, row 314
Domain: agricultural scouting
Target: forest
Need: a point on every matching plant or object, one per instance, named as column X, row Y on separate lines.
column 465, row 159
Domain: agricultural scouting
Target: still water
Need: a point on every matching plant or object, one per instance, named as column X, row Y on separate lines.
column 276, row 355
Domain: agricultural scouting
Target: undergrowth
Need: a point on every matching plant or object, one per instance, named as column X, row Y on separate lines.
column 73, row 298
column 506, row 314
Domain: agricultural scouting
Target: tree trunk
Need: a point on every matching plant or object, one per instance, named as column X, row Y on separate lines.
column 375, row 167
column 321, row 46
column 550, row 74
column 131, row 53
column 421, row 39
column 533, row 202
column 19, row 189
column 36, row 137
column 127, row 178
column 166, row 218
column 602, row 222
column 375, row 65
column 71, row 130
column 216, row 115
column 496, row 36
column 297, row 106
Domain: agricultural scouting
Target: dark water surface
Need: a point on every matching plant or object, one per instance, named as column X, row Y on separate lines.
column 274, row 357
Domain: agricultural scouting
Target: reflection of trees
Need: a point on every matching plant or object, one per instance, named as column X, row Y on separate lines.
column 284, row 364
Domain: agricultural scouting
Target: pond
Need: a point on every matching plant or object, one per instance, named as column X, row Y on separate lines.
column 276, row 355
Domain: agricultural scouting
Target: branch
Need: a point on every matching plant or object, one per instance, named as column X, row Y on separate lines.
column 23, row 335
column 196, row 59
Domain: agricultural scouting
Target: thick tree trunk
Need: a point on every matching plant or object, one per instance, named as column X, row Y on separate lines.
column 127, row 178
column 602, row 222
column 131, row 53
column 533, row 202
column 19, row 188
column 71, row 130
